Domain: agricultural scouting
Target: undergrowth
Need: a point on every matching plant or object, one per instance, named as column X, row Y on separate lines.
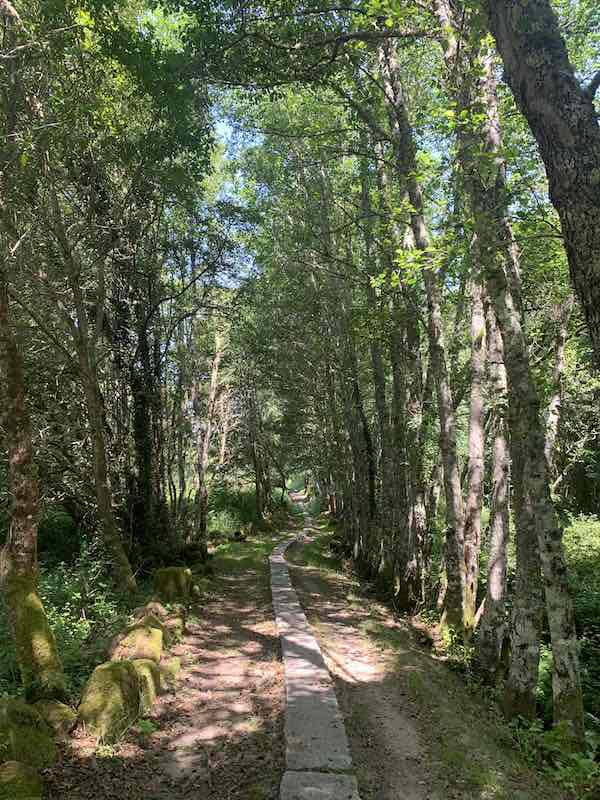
column 84, row 613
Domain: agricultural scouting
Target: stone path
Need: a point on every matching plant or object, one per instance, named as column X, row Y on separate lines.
column 318, row 761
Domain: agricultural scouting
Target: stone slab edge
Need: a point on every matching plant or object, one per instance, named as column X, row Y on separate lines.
column 299, row 784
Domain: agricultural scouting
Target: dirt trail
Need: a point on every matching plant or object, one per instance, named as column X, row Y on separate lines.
column 415, row 730
column 380, row 719
column 220, row 734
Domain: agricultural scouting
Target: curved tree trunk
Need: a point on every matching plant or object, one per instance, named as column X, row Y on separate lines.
column 562, row 117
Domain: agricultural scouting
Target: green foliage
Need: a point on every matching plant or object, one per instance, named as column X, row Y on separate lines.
column 316, row 553
column 83, row 612
column 251, row 555
column 548, row 750
column 582, row 549
column 147, row 727
column 314, row 505
column 231, row 507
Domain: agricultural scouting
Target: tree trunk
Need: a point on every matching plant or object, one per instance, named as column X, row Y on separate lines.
column 37, row 655
column 203, row 450
column 562, row 117
column 409, row 518
column 407, row 169
column 124, row 579
column 225, row 414
column 475, row 447
column 535, row 515
column 555, row 403
column 454, row 554
column 378, row 368
column 123, row 576
column 538, row 532
column 493, row 623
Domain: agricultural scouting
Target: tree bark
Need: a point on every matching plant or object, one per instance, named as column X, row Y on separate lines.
column 378, row 369
column 475, row 449
column 407, row 169
column 554, row 406
column 562, row 117
column 410, row 518
column 124, row 578
column 39, row 663
column 538, row 532
column 203, row 451
column 493, row 623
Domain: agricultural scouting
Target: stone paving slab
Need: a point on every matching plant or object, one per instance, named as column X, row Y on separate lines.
column 318, row 786
column 314, row 728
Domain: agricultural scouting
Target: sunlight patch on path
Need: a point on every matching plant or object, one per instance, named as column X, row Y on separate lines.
column 317, row 753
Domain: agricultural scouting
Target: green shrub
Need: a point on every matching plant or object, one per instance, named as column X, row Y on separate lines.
column 231, row 507
column 548, row 750
column 83, row 612
column 582, row 550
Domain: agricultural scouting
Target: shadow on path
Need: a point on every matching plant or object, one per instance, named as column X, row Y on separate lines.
column 219, row 735
column 414, row 729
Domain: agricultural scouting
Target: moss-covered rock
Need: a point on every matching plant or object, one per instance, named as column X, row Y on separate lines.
column 173, row 583
column 175, row 624
column 142, row 640
column 59, row 717
column 24, row 736
column 19, row 782
column 110, row 702
column 153, row 607
column 40, row 667
column 151, row 681
column 172, row 618
column 170, row 668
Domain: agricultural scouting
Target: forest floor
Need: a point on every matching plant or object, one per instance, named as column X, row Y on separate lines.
column 415, row 731
column 219, row 734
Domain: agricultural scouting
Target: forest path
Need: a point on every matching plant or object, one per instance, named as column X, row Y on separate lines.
column 219, row 734
column 415, row 730
column 380, row 718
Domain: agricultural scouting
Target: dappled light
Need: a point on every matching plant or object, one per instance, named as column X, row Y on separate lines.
column 299, row 400
column 218, row 733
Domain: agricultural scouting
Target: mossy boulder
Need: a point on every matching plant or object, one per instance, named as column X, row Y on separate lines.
column 170, row 669
column 173, row 583
column 142, row 640
column 40, row 667
column 59, row 717
column 151, row 682
column 19, row 782
column 153, row 607
column 24, row 736
column 110, row 702
column 175, row 624
column 172, row 618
